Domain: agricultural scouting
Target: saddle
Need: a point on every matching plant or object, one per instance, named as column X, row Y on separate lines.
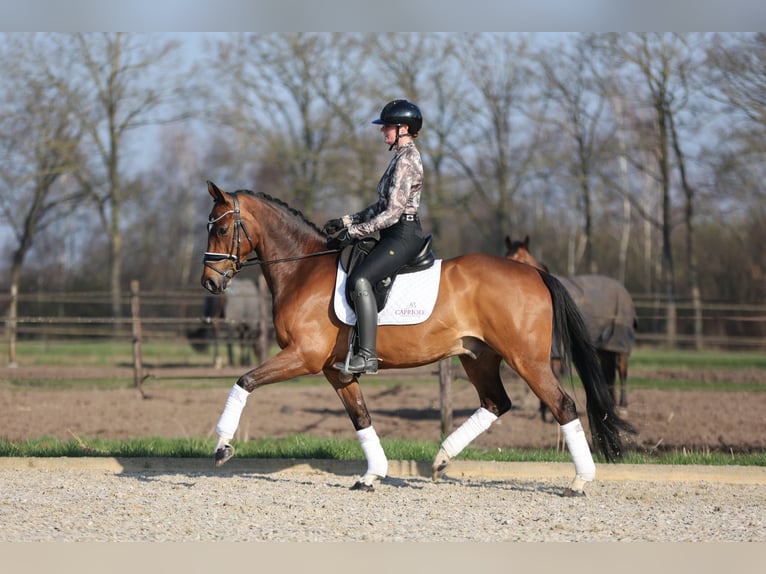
column 354, row 254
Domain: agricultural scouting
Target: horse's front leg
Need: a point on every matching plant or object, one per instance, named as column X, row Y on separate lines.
column 287, row 364
column 350, row 394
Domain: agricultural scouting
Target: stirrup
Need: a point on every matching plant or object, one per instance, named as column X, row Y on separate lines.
column 362, row 364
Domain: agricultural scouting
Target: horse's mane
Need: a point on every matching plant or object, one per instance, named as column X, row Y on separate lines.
column 282, row 205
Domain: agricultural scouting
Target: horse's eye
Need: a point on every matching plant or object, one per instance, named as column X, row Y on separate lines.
column 221, row 231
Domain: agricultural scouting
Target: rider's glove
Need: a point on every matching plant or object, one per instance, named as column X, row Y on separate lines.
column 333, row 226
column 340, row 241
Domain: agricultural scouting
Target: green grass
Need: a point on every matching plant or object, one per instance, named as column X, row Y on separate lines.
column 708, row 359
column 79, row 353
column 308, row 447
column 179, row 352
column 83, row 353
column 693, row 385
column 101, row 353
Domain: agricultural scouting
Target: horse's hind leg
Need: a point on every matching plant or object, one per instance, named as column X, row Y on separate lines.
column 484, row 373
column 350, row 395
column 622, row 370
column 540, row 378
column 558, row 369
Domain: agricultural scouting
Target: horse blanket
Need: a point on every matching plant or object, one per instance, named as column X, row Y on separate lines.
column 607, row 309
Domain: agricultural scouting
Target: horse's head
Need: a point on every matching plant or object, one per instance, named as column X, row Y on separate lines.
column 228, row 241
column 519, row 251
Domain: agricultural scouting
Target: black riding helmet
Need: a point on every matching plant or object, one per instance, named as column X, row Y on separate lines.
column 400, row 113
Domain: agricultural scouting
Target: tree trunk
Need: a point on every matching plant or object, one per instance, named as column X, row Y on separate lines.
column 691, row 255
column 12, row 325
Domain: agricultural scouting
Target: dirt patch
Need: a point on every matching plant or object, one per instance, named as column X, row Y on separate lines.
column 727, row 421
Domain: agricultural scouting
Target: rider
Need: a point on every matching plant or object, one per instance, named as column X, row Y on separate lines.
column 395, row 216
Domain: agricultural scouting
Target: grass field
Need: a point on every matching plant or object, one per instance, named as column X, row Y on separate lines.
column 105, row 354
column 179, row 353
column 307, row 447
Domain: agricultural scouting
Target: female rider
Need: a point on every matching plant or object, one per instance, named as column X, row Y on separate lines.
column 395, row 216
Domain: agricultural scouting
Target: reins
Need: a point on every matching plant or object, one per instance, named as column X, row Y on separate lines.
column 256, row 261
column 210, row 257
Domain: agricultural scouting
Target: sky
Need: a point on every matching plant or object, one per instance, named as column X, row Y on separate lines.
column 380, row 16
column 389, row 15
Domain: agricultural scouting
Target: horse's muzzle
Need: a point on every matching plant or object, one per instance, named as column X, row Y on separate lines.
column 213, row 285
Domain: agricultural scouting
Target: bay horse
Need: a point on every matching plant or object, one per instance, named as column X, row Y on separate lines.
column 487, row 310
column 608, row 311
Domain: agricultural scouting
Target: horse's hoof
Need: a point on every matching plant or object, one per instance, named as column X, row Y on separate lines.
column 363, row 486
column 223, row 454
column 366, row 482
column 571, row 493
column 440, row 463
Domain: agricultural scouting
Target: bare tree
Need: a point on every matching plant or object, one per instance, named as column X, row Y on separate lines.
column 293, row 101
column 424, row 68
column 174, row 208
column 572, row 83
column 663, row 63
column 736, row 68
column 115, row 83
column 737, row 79
column 498, row 149
column 40, row 146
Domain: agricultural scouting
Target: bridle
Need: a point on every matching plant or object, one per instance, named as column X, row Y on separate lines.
column 209, row 258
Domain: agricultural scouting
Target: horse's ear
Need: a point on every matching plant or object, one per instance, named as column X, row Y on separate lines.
column 216, row 193
column 526, row 242
column 508, row 242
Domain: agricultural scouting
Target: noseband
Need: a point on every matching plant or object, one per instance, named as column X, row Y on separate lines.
column 211, row 257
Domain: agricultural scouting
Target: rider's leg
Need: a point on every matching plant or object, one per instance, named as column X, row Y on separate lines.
column 367, row 327
column 398, row 245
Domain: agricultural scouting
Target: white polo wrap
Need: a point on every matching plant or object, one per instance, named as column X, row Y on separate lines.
column 574, row 436
column 232, row 411
column 476, row 424
column 377, row 463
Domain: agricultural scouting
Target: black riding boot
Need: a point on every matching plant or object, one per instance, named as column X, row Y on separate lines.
column 366, row 308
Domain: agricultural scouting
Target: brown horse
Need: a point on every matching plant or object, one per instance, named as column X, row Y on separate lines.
column 488, row 309
column 607, row 309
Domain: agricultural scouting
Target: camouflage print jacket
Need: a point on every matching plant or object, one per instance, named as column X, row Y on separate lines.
column 398, row 194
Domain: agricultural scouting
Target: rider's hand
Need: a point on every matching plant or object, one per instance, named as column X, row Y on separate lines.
column 333, row 226
column 340, row 241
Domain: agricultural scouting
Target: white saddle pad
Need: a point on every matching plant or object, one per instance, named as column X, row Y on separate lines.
column 411, row 300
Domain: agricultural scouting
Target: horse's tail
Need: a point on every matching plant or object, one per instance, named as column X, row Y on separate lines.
column 569, row 329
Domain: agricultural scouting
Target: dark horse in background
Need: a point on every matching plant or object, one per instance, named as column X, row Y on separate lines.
column 608, row 311
column 487, row 310
column 232, row 318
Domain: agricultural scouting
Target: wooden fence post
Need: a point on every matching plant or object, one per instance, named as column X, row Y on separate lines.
column 445, row 395
column 12, row 325
column 135, row 312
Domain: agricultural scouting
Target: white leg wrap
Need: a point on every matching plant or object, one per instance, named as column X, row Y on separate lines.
column 377, row 463
column 476, row 424
column 574, row 436
column 229, row 421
